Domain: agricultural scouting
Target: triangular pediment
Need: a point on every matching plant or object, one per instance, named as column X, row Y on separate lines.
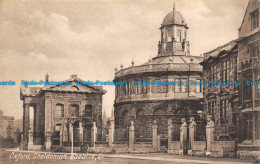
column 74, row 84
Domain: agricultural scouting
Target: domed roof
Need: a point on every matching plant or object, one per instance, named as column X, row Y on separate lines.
column 174, row 17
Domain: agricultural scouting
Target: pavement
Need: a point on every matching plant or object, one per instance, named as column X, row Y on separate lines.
column 17, row 156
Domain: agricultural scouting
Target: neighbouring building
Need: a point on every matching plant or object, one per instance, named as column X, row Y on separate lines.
column 221, row 65
column 6, row 130
column 236, row 109
column 57, row 115
column 249, row 70
column 149, row 104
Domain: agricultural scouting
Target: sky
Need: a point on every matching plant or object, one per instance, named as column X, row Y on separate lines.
column 92, row 37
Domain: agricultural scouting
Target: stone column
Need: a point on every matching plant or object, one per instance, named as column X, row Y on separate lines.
column 110, row 133
column 37, row 130
column 30, row 143
column 158, row 146
column 93, row 134
column 26, row 123
column 80, row 133
column 192, row 132
column 131, row 136
column 170, row 126
column 21, row 142
column 70, row 132
column 61, row 134
column 65, row 134
column 154, row 135
column 183, row 135
column 210, row 129
column 48, row 140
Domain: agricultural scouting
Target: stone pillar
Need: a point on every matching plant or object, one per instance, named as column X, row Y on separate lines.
column 70, row 132
column 48, row 140
column 61, row 134
column 21, row 142
column 110, row 133
column 210, row 128
column 80, row 133
column 183, row 135
column 26, row 124
column 30, row 143
column 170, row 126
column 154, row 135
column 65, row 134
column 158, row 146
column 192, row 132
column 131, row 136
column 94, row 134
column 254, row 125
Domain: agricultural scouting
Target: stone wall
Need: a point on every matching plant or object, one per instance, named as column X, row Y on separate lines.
column 154, row 110
column 223, row 149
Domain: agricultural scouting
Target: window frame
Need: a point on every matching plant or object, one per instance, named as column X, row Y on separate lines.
column 254, row 17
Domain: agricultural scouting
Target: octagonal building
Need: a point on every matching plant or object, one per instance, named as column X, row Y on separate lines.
column 145, row 103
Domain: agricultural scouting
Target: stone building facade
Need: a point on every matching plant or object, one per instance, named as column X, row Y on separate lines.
column 7, row 137
column 236, row 108
column 249, row 70
column 221, row 101
column 61, row 113
column 149, row 104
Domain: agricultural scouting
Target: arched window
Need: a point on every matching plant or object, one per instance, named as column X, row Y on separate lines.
column 159, row 112
column 88, row 111
column 74, row 110
column 125, row 113
column 140, row 112
column 59, row 110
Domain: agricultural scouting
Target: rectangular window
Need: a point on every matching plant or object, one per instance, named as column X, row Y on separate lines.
column 140, row 88
column 177, row 88
column 198, row 87
column 225, row 71
column 164, row 87
column 160, row 88
column 249, row 126
column 88, row 111
column 169, row 35
column 157, row 88
column 178, row 39
column 247, row 89
column 254, row 19
column 223, row 111
column 254, row 50
column 184, row 86
column 257, row 87
column 144, row 88
column 181, row 88
column 211, row 109
column 59, row 111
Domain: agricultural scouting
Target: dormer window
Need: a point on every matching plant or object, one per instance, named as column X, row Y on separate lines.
column 254, row 19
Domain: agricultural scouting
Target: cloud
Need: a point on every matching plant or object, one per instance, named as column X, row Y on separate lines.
column 90, row 39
